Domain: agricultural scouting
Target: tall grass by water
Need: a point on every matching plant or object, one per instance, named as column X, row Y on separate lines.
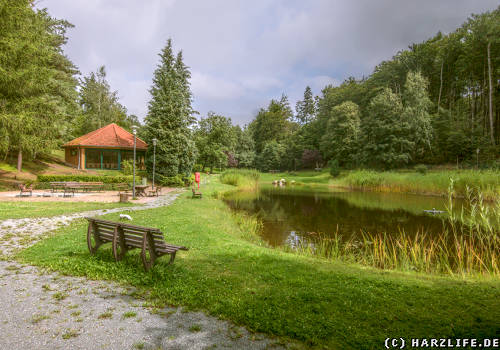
column 434, row 182
column 242, row 178
column 468, row 245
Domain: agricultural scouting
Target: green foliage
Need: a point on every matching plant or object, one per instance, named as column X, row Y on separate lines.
column 127, row 167
column 214, row 136
column 271, row 124
column 341, row 139
column 178, row 180
column 100, row 105
column 334, row 167
column 240, row 177
column 37, row 81
column 271, row 157
column 416, row 113
column 170, row 117
column 435, row 182
column 385, row 134
column 245, row 147
column 107, row 179
column 306, row 109
column 421, row 169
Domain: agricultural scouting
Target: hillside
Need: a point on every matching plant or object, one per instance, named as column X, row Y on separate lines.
column 52, row 164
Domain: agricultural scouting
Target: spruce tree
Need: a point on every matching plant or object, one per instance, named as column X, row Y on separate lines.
column 170, row 116
column 306, row 109
column 37, row 83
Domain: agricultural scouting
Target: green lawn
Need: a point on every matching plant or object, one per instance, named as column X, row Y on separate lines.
column 17, row 210
column 322, row 304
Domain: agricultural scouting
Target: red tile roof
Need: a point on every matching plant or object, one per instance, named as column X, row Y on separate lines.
column 109, row 136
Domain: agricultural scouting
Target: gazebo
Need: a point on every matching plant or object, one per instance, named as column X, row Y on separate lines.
column 104, row 148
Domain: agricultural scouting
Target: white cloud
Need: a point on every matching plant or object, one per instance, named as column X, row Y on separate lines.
column 243, row 53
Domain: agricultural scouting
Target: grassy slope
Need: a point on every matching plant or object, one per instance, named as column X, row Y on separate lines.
column 331, row 305
column 50, row 164
column 16, row 210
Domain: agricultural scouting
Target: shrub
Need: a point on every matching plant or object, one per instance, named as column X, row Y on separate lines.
column 198, row 168
column 88, row 178
column 127, row 167
column 176, row 181
column 421, row 169
column 334, row 167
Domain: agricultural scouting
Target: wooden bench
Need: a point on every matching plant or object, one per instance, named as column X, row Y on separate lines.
column 154, row 192
column 195, row 193
column 89, row 186
column 25, row 189
column 125, row 237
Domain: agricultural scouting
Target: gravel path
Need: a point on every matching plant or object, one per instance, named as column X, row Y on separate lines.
column 42, row 310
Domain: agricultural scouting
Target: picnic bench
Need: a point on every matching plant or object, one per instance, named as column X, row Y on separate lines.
column 25, row 189
column 196, row 193
column 125, row 237
column 73, row 186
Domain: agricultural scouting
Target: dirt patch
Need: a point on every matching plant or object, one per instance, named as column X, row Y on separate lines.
column 48, row 196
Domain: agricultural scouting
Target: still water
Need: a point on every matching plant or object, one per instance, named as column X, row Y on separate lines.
column 289, row 214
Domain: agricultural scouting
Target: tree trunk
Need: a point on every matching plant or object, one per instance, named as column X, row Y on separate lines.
column 492, row 129
column 19, row 160
column 440, row 84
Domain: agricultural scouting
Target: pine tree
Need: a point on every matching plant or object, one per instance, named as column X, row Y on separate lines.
column 100, row 105
column 306, row 109
column 170, row 115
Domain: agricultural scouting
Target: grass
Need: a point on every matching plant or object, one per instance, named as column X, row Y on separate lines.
column 129, row 314
column 434, row 182
column 16, row 210
column 468, row 245
column 323, row 304
column 242, row 178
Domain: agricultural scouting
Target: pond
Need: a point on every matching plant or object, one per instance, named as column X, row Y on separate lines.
column 290, row 214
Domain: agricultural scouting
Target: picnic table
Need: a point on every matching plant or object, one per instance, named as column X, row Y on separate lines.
column 140, row 190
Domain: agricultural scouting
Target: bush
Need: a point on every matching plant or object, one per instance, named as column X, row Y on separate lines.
column 127, row 167
column 175, row 181
column 198, row 168
column 334, row 167
column 421, row 169
column 88, row 178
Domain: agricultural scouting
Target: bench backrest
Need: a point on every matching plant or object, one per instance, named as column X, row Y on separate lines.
column 133, row 234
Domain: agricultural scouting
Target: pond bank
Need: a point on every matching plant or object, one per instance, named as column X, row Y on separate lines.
column 434, row 182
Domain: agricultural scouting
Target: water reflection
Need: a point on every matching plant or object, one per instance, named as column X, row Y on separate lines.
column 290, row 215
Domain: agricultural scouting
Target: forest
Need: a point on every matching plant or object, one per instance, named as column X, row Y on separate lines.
column 436, row 102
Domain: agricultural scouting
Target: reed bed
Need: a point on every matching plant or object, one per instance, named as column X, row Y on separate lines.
column 468, row 245
column 487, row 181
column 242, row 178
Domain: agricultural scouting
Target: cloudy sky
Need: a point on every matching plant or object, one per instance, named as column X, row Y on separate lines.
column 243, row 53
